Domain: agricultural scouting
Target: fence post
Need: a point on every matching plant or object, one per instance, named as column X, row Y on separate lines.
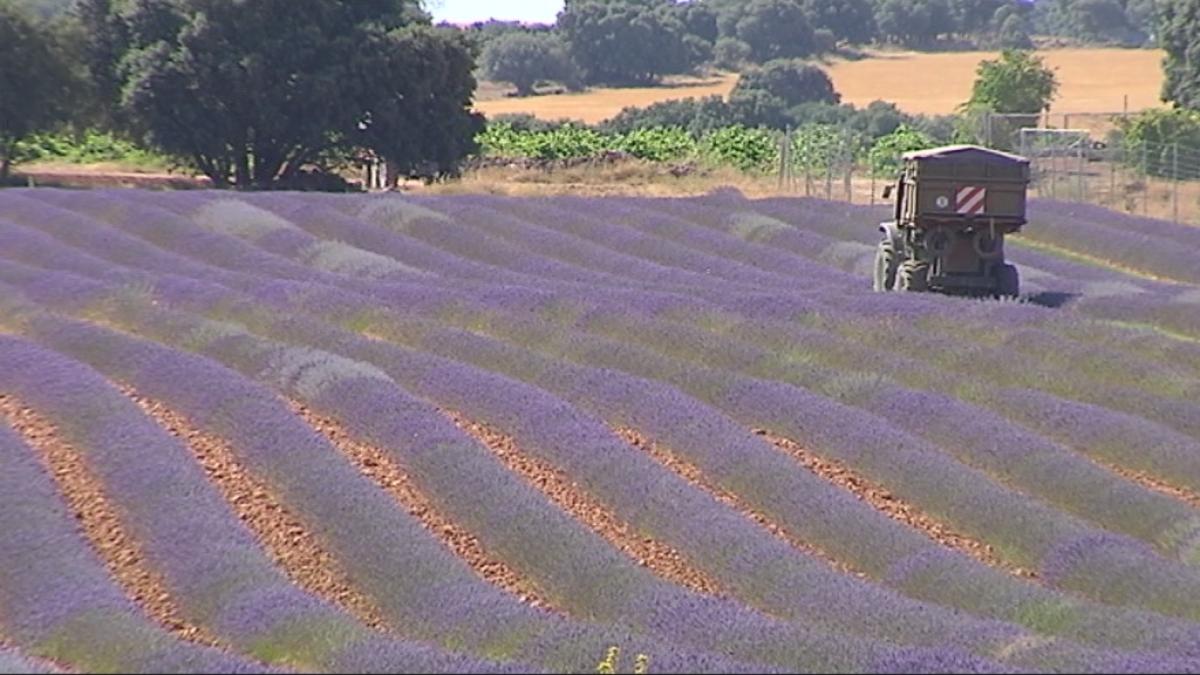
column 1082, row 171
column 871, row 169
column 783, row 156
column 1145, row 178
column 1175, row 181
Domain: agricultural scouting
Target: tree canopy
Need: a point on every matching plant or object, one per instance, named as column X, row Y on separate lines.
column 526, row 58
column 36, row 82
column 629, row 41
column 776, row 29
column 1180, row 37
column 1017, row 82
column 253, row 92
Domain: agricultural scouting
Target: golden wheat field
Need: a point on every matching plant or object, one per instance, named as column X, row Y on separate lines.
column 1092, row 80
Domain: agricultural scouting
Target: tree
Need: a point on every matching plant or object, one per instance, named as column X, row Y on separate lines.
column 1180, row 38
column 700, row 19
column 36, row 81
column 974, row 16
column 776, row 29
column 524, row 59
column 913, row 22
column 1018, row 82
column 1100, row 19
column 765, row 95
column 251, row 93
column 791, row 81
column 730, row 53
column 850, row 20
column 627, row 41
column 1014, row 33
column 416, row 88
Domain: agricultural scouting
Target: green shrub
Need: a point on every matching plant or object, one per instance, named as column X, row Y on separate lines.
column 744, row 148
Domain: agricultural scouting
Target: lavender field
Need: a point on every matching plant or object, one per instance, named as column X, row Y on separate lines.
column 323, row 433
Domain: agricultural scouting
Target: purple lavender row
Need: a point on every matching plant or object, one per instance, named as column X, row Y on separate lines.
column 56, row 597
column 1179, row 318
column 805, row 504
column 556, row 242
column 1039, row 365
column 1052, row 210
column 789, row 224
column 473, row 244
column 212, row 564
column 607, row 229
column 1143, row 252
column 306, row 330
column 11, row 662
column 220, row 249
column 219, row 255
column 658, row 609
column 910, row 466
column 436, row 596
column 1142, row 341
column 977, row 436
column 389, row 356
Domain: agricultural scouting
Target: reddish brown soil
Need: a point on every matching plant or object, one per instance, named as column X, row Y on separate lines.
column 375, row 464
column 100, row 522
column 696, row 477
column 654, row 555
column 1155, row 484
column 289, row 543
column 892, row 506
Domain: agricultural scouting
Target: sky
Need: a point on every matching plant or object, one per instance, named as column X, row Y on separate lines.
column 467, row 11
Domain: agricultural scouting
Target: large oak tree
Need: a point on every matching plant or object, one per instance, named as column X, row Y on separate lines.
column 252, row 92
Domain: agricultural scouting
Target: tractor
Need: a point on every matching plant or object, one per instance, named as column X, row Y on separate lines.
column 954, row 206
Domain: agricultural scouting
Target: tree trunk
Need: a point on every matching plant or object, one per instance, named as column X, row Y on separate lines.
column 241, row 173
column 6, row 160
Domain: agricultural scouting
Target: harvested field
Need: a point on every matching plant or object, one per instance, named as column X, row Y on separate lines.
column 469, row 433
column 917, row 82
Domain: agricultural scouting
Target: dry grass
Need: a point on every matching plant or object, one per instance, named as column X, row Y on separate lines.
column 1093, row 80
column 599, row 104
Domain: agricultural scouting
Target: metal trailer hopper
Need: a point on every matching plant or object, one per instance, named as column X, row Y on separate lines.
column 954, row 206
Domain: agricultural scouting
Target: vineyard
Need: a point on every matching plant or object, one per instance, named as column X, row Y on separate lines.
column 282, row 432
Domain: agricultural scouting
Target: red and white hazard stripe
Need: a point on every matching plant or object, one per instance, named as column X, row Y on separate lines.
column 971, row 200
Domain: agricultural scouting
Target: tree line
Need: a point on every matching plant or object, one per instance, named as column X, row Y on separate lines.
column 256, row 94
column 631, row 42
column 277, row 93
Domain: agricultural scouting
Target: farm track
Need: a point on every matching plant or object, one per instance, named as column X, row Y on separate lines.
column 101, row 523
column 284, row 536
column 375, row 464
column 545, row 310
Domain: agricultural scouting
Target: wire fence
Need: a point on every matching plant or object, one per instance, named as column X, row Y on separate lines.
column 1079, row 157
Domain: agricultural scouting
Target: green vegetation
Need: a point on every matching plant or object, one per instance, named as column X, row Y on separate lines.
column 1163, row 142
column 32, row 65
column 1017, row 82
column 90, row 147
column 1181, row 39
column 526, row 58
column 630, row 42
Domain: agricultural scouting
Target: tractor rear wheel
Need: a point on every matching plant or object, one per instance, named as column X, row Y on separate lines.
column 885, row 267
column 1008, row 281
column 914, row 276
